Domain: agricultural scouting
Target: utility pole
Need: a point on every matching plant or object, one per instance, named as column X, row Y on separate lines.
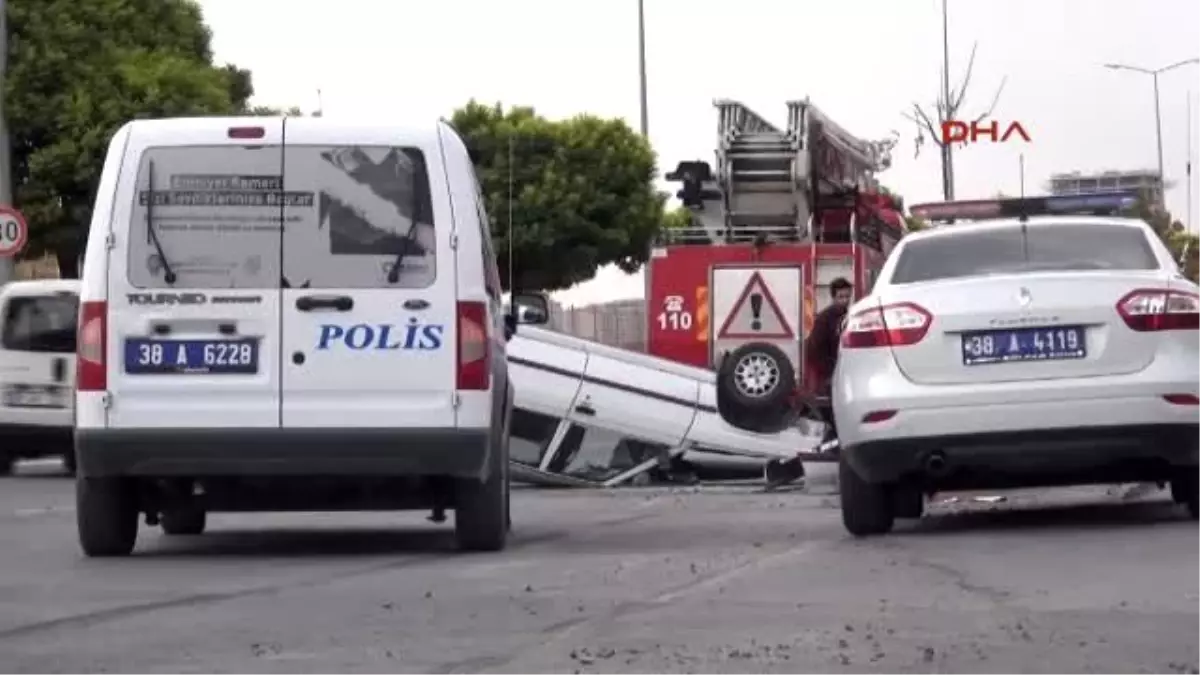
column 947, row 148
column 6, row 187
column 512, row 142
column 1188, row 218
column 1021, row 164
column 641, row 66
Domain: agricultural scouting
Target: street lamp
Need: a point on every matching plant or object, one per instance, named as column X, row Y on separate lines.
column 641, row 6
column 1157, row 115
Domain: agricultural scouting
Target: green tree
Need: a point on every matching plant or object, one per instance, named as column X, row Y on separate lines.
column 680, row 216
column 78, row 70
column 1183, row 245
column 915, row 223
column 582, row 192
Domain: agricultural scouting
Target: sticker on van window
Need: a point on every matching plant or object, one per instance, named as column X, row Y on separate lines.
column 336, row 216
column 411, row 336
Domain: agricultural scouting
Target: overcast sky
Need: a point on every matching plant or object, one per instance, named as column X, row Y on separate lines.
column 863, row 62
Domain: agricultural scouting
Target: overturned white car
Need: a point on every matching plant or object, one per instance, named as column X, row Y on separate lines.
column 568, row 390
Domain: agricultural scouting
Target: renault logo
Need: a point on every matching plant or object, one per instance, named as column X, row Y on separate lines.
column 1025, row 297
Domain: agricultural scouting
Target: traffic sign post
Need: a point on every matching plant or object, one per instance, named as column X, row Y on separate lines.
column 14, row 232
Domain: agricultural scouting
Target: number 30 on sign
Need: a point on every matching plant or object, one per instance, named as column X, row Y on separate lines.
column 674, row 316
column 13, row 232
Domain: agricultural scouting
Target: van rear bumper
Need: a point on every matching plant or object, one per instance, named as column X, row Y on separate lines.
column 459, row 453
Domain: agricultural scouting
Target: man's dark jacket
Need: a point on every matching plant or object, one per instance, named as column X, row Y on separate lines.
column 821, row 345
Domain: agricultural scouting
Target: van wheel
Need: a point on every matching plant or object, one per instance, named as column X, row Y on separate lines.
column 867, row 508
column 481, row 520
column 184, row 522
column 6, row 465
column 106, row 515
column 754, row 387
column 68, row 460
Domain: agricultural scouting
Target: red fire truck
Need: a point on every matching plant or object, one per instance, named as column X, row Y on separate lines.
column 784, row 213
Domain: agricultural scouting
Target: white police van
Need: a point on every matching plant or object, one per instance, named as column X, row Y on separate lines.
column 37, row 370
column 289, row 314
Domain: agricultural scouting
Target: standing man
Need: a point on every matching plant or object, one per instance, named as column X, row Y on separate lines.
column 821, row 345
column 820, row 358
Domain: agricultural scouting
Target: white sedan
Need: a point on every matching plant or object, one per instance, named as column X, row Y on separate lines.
column 1017, row 352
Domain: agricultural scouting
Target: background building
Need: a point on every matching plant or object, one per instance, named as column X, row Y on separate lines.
column 1078, row 182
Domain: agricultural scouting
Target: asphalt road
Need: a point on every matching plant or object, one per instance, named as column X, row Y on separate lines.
column 719, row 579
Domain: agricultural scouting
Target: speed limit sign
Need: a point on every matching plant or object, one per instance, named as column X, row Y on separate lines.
column 13, row 232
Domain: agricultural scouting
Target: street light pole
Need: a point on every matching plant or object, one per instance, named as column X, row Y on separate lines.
column 641, row 66
column 947, row 148
column 1188, row 220
column 1162, row 177
column 1154, row 73
column 6, row 264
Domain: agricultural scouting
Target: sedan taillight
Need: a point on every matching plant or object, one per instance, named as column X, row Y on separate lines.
column 1158, row 309
column 895, row 325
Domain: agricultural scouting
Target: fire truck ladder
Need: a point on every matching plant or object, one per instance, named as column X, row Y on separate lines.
column 758, row 170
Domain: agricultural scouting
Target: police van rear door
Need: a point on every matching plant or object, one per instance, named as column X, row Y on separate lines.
column 369, row 301
column 193, row 296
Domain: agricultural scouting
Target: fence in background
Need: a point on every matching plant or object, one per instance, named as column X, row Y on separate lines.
column 621, row 323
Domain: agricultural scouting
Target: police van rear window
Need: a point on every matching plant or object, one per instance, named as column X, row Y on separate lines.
column 257, row 217
column 42, row 323
column 373, row 212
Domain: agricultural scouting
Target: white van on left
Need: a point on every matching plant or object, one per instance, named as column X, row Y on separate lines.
column 289, row 314
column 37, row 370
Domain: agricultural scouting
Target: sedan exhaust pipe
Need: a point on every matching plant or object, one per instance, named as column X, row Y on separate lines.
column 936, row 464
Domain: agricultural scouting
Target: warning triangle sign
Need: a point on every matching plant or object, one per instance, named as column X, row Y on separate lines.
column 756, row 314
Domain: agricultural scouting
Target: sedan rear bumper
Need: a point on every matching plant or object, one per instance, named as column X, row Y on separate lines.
column 1063, row 456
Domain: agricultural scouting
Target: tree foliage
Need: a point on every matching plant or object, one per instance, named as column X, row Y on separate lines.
column 78, row 70
column 915, row 223
column 680, row 216
column 1184, row 246
column 582, row 192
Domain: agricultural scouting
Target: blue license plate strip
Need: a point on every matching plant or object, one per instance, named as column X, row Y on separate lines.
column 1019, row 345
column 191, row 357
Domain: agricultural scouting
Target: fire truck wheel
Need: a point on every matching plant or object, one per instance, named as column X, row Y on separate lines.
column 753, row 380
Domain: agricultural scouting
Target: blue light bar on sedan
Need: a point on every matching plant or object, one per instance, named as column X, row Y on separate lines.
column 1096, row 204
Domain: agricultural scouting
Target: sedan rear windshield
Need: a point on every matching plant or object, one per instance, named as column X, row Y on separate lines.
column 44, row 323
column 1041, row 248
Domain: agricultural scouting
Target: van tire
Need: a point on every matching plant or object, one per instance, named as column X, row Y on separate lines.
column 758, row 411
column 481, row 520
column 106, row 515
column 68, row 461
column 867, row 508
column 184, row 522
column 6, row 465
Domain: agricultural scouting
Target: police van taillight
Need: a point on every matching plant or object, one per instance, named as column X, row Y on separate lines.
column 91, row 369
column 474, row 349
